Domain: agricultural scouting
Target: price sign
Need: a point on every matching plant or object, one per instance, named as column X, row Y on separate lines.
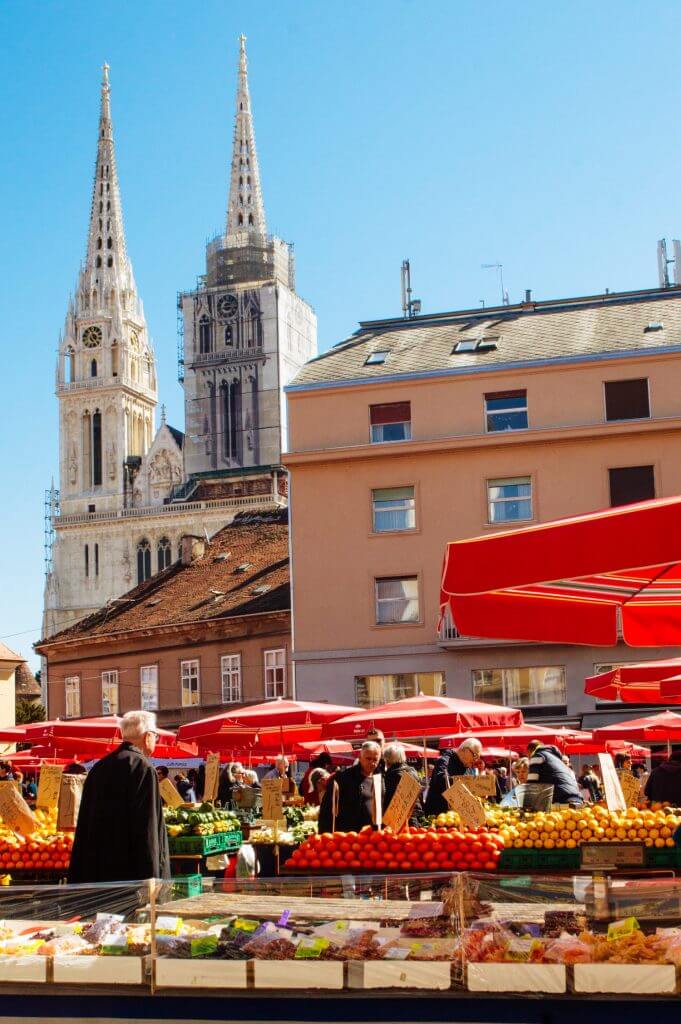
column 169, row 793
column 272, row 799
column 467, row 806
column 49, row 785
column 612, row 855
column 402, row 802
column 614, row 797
column 481, row 785
column 70, row 795
column 210, row 789
column 631, row 787
column 14, row 810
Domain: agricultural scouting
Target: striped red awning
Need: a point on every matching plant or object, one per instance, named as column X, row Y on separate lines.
column 584, row 580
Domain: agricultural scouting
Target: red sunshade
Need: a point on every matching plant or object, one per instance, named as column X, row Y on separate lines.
column 567, row 581
column 653, row 729
column 521, row 735
column 423, row 716
column 298, row 719
column 499, row 752
column 95, row 737
column 642, row 683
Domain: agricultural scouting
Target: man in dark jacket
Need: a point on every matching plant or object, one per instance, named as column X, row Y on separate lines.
column 664, row 783
column 121, row 834
column 348, row 803
column 547, row 767
column 448, row 766
column 396, row 768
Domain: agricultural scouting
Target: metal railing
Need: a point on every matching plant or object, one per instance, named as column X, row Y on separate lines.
column 448, row 630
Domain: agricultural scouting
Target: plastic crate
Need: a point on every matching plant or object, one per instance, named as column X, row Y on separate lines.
column 185, row 886
column 523, row 860
column 663, row 857
column 220, row 842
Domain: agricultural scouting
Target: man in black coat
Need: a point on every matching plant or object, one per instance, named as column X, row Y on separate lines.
column 121, row 834
column 448, row 766
column 348, row 803
column 664, row 784
column 396, row 768
column 547, row 767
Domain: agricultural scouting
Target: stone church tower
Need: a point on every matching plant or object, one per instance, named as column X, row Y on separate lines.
column 246, row 334
column 128, row 493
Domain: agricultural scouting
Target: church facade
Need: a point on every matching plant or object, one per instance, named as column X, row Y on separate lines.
column 129, row 491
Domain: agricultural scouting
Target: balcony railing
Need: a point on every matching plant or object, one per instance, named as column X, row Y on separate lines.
column 241, row 501
column 90, row 383
column 226, row 355
column 448, row 630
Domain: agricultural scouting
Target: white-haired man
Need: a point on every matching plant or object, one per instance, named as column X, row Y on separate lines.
column 448, row 766
column 349, row 802
column 121, row 835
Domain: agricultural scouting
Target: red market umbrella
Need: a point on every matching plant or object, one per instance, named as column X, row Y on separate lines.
column 13, row 734
column 423, row 716
column 521, row 735
column 660, row 728
column 574, row 580
column 278, row 721
column 95, row 737
column 642, row 683
column 501, row 753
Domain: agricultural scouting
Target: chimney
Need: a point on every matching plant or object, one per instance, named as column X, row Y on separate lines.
column 192, row 548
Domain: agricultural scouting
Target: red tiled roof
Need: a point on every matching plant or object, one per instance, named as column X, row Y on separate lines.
column 244, row 571
column 7, row 655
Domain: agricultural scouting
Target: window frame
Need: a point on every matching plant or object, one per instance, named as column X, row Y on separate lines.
column 499, row 481
column 227, row 670
column 405, row 423
column 418, row 621
column 189, row 676
column 512, row 668
column 108, row 683
column 72, row 688
column 499, row 394
column 274, row 668
column 143, row 682
column 392, row 695
column 626, row 419
column 372, row 510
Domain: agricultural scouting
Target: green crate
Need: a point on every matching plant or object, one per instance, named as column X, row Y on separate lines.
column 530, row 860
column 185, row 886
column 662, row 857
column 202, row 846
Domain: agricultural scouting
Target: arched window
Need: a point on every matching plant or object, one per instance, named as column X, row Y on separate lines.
column 114, row 358
column 143, row 560
column 229, row 337
column 97, row 448
column 235, row 420
column 241, row 218
column 109, row 243
column 109, row 262
column 99, row 243
column 93, row 368
column 69, row 366
column 250, row 218
column 164, row 555
column 204, row 334
column 99, row 261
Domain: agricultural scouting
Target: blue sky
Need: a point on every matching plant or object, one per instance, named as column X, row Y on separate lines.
column 454, row 133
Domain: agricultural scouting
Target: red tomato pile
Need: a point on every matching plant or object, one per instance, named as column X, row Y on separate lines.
column 422, row 850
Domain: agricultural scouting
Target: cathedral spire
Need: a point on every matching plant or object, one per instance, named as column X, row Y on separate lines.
column 106, row 238
column 245, row 209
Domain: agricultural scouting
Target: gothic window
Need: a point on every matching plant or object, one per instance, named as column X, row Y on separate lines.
column 241, row 218
column 99, row 243
column 101, row 206
column 114, row 358
column 96, row 559
column 143, row 560
column 108, row 205
column 69, row 366
column 234, row 419
column 97, row 449
column 109, row 262
column 109, row 243
column 204, row 334
column 100, row 221
column 241, row 181
column 87, row 561
column 93, row 368
column 224, row 419
column 229, row 340
column 87, row 449
column 164, row 555
column 248, row 179
column 250, row 217
column 99, row 261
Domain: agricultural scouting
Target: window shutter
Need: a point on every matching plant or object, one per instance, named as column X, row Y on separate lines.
column 627, row 399
column 394, row 412
column 630, row 484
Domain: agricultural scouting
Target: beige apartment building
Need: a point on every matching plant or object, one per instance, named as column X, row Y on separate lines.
column 418, row 431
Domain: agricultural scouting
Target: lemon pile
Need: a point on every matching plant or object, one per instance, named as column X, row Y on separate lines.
column 569, row 828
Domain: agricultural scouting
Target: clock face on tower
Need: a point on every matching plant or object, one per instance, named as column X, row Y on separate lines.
column 92, row 337
column 227, row 307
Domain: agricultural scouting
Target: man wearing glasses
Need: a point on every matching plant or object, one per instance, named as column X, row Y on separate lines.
column 121, row 835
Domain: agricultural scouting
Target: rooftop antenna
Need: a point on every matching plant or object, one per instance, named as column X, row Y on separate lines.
column 663, row 262
column 500, row 268
column 410, row 307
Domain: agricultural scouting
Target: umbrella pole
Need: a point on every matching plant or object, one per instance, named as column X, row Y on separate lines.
column 425, row 760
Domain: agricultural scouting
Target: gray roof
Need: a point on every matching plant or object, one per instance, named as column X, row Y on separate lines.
column 564, row 329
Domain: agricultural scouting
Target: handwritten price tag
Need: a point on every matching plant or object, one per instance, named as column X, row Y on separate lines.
column 402, row 802
column 49, row 785
column 210, row 789
column 467, row 806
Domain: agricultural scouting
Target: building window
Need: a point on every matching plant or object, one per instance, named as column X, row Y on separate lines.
column 505, row 410
column 87, row 561
column 72, row 697
column 190, row 683
column 96, row 559
column 394, row 508
column 627, row 399
column 204, row 334
column 391, row 422
column 275, row 674
column 97, row 449
column 631, row 483
column 110, row 692
column 397, row 600
column 149, row 687
column 371, row 691
column 521, row 687
column 510, row 500
column 164, row 554
column 143, row 560
column 230, row 668
column 93, row 368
